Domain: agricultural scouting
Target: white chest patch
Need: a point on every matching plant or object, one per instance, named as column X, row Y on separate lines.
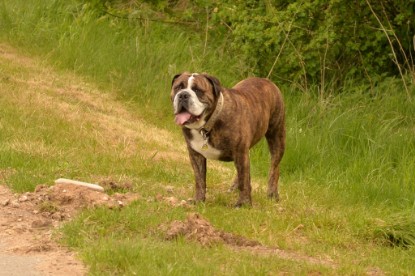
column 198, row 144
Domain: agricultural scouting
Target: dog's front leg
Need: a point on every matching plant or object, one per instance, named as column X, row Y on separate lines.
column 242, row 164
column 199, row 169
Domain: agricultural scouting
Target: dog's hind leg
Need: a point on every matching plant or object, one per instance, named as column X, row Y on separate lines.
column 276, row 144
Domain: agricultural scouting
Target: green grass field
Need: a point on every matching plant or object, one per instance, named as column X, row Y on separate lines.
column 86, row 96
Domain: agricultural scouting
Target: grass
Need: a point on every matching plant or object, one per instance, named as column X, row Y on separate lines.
column 86, row 97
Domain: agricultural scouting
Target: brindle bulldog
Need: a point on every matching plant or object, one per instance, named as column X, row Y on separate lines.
column 223, row 124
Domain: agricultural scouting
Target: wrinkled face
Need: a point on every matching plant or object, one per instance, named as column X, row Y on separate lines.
column 193, row 96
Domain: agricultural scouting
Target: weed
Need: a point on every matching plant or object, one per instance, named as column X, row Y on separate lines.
column 47, row 206
column 397, row 230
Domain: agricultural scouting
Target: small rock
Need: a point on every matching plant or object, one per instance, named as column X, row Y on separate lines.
column 120, row 203
column 5, row 202
column 19, row 219
column 35, row 212
column 23, row 198
column 46, row 214
column 15, row 204
column 169, row 189
column 19, row 229
column 57, row 216
column 105, row 198
column 171, row 200
column 41, row 223
column 183, row 203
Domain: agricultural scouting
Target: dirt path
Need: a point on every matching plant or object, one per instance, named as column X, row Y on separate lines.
column 27, row 246
column 27, row 223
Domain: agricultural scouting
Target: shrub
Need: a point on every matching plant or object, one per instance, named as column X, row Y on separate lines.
column 322, row 41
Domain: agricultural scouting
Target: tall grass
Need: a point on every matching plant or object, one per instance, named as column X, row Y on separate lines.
column 360, row 145
column 135, row 60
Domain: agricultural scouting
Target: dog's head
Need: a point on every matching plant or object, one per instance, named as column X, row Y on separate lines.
column 194, row 98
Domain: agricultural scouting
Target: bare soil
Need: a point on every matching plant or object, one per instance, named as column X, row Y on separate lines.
column 197, row 228
column 27, row 242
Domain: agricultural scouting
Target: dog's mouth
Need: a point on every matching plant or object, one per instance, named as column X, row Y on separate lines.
column 184, row 117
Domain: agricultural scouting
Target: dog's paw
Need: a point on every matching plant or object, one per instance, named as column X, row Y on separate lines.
column 243, row 203
column 197, row 199
column 274, row 196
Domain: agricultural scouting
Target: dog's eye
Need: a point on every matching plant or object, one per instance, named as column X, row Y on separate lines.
column 197, row 90
column 179, row 87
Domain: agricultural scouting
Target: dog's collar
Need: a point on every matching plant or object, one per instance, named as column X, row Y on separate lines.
column 204, row 131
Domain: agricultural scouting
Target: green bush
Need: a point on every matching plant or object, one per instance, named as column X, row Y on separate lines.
column 322, row 41
column 303, row 43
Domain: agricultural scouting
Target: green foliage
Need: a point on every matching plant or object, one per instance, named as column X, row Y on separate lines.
column 321, row 41
column 298, row 42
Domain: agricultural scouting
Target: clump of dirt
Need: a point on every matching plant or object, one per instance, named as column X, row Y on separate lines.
column 62, row 201
column 114, row 186
column 174, row 201
column 199, row 229
column 27, row 222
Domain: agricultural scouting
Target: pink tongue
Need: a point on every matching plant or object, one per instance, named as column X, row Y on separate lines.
column 182, row 118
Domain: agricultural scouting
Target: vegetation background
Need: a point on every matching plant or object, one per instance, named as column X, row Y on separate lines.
column 346, row 69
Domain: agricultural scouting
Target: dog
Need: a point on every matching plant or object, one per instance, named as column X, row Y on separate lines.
column 223, row 124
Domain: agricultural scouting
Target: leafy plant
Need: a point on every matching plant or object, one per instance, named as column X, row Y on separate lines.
column 323, row 42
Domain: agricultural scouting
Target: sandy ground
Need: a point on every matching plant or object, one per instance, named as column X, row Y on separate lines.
column 27, row 246
column 27, row 222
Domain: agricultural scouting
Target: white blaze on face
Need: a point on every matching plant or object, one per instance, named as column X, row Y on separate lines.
column 190, row 81
column 195, row 107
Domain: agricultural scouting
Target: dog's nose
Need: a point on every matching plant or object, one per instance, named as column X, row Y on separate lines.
column 184, row 96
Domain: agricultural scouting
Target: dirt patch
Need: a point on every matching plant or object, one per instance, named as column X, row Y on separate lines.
column 62, row 201
column 198, row 229
column 27, row 222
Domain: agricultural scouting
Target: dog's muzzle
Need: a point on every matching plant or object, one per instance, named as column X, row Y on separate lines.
column 183, row 109
column 182, row 101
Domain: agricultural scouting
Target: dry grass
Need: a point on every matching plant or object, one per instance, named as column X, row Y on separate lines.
column 71, row 99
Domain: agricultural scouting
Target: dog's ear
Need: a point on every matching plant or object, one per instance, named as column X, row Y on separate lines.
column 174, row 78
column 215, row 84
